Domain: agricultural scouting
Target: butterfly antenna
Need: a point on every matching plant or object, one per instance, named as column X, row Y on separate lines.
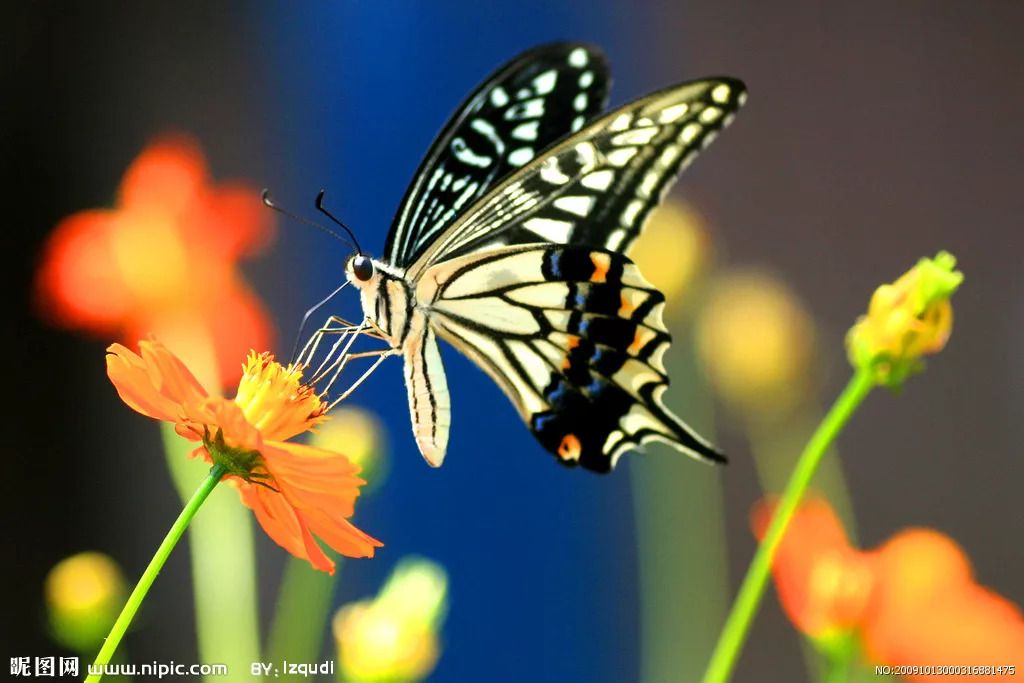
column 265, row 195
column 322, row 209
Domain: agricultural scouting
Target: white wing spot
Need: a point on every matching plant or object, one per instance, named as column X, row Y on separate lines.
column 620, row 157
column 673, row 113
column 499, row 98
column 550, row 229
column 578, row 58
column 527, row 109
column 467, row 156
column 580, row 101
column 708, row 139
column 650, row 181
column 669, row 155
column 575, row 204
column 631, row 211
column 615, row 239
column 459, row 184
column 520, row 156
column 620, row 122
column 545, row 83
column 690, row 132
column 577, row 123
column 551, row 173
column 598, row 180
column 637, row 136
column 720, row 93
column 710, row 115
column 586, row 79
column 525, row 131
column 586, row 156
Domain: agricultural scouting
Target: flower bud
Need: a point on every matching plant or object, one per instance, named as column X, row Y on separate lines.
column 906, row 320
column 394, row 637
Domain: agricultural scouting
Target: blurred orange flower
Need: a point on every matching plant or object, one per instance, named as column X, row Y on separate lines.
column 164, row 261
column 911, row 601
column 296, row 491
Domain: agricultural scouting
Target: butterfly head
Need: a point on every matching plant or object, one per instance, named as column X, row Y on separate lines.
column 359, row 269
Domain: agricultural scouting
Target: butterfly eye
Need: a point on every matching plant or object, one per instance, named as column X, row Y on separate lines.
column 362, row 268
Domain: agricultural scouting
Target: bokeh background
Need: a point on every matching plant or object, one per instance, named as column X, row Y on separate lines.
column 875, row 133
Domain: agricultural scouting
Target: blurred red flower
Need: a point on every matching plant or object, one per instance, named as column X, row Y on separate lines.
column 164, row 261
column 911, row 601
column 299, row 493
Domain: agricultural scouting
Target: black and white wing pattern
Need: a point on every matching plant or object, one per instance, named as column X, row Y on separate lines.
column 523, row 108
column 574, row 336
column 597, row 186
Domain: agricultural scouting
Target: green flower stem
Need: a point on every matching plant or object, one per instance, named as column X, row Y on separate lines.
column 726, row 653
column 303, row 611
column 222, row 552
column 155, row 565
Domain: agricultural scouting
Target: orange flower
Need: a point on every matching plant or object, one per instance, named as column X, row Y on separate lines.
column 823, row 583
column 912, row 601
column 163, row 262
column 296, row 491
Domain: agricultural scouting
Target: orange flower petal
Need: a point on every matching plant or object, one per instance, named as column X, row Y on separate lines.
column 823, row 583
column 284, row 525
column 78, row 283
column 929, row 610
column 323, row 487
column 170, row 173
column 155, row 384
column 243, row 225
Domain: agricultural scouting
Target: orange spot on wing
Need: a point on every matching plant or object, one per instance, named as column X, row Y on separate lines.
column 569, row 448
column 639, row 339
column 627, row 307
column 602, row 262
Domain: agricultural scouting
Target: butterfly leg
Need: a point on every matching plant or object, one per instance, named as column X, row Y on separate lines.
column 381, row 356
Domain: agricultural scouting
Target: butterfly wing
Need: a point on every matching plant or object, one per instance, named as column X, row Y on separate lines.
column 524, row 107
column 597, row 186
column 574, row 337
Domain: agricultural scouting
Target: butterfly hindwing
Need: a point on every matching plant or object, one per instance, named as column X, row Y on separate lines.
column 597, row 186
column 574, row 337
column 524, row 107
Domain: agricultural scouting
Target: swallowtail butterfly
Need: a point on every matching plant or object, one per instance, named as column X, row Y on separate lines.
column 509, row 245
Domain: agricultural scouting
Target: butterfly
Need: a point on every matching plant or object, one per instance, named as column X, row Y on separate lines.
column 509, row 245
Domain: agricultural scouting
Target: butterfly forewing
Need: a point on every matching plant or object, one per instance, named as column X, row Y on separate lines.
column 597, row 186
column 574, row 337
column 523, row 108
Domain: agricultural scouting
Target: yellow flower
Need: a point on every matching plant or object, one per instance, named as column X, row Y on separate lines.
column 673, row 250
column 756, row 344
column 394, row 637
column 360, row 435
column 83, row 595
column 906, row 320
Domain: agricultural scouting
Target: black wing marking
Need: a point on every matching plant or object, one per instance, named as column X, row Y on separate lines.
column 574, row 337
column 598, row 186
column 524, row 107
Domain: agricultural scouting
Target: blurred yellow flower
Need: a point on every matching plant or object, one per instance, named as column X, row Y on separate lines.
column 360, row 435
column 84, row 593
column 906, row 320
column 756, row 343
column 394, row 637
column 673, row 250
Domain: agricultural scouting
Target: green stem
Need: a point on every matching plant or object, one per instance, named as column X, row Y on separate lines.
column 302, row 614
column 724, row 657
column 155, row 565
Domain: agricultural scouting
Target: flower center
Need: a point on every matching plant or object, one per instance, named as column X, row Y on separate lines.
column 274, row 400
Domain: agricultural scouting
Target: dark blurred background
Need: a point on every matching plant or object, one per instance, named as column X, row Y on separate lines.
column 876, row 132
